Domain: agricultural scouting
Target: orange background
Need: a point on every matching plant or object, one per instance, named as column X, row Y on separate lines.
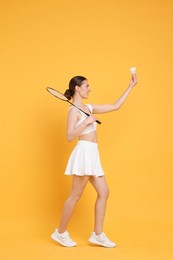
column 45, row 43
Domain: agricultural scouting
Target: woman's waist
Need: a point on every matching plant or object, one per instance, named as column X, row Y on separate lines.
column 91, row 137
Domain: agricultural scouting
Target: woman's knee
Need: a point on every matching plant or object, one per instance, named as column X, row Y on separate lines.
column 76, row 195
column 104, row 193
column 107, row 193
column 78, row 187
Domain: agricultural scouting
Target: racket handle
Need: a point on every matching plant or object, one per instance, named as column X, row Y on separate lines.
column 98, row 122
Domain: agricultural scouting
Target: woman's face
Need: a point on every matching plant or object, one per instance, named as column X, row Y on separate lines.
column 84, row 89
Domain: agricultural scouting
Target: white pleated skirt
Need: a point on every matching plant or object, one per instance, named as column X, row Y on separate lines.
column 84, row 160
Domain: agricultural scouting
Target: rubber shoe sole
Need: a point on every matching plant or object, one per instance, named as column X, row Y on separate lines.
column 95, row 242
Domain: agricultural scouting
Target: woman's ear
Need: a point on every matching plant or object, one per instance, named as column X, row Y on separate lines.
column 77, row 88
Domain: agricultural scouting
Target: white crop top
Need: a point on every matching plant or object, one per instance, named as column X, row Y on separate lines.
column 89, row 128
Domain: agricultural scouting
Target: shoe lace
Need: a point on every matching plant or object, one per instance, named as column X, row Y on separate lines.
column 67, row 237
column 104, row 237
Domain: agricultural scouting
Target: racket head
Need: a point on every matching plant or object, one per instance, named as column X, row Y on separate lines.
column 56, row 93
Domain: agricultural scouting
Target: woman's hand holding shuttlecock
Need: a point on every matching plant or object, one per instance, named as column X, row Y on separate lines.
column 134, row 79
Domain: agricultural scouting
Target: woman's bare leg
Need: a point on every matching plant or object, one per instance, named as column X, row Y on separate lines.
column 78, row 185
column 100, row 185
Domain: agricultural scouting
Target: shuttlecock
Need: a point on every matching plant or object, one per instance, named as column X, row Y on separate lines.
column 133, row 70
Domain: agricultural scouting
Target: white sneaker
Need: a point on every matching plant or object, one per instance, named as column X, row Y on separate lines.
column 101, row 240
column 64, row 238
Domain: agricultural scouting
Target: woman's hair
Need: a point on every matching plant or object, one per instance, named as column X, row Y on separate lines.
column 75, row 81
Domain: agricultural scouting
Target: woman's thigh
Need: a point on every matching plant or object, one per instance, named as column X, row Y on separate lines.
column 78, row 184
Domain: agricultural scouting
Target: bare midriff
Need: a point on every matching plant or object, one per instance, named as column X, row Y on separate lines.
column 90, row 137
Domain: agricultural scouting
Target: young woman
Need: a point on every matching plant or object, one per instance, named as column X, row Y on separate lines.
column 84, row 163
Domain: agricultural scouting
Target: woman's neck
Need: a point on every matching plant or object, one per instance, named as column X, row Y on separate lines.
column 77, row 101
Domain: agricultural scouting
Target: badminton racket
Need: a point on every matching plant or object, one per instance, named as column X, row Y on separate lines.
column 59, row 95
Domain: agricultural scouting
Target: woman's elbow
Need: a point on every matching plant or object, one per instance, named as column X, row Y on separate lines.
column 116, row 107
column 69, row 137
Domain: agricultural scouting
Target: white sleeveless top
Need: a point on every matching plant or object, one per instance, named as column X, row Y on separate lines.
column 89, row 128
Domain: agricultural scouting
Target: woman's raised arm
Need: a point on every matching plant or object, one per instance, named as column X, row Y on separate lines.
column 99, row 109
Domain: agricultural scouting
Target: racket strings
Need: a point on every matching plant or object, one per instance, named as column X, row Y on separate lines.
column 57, row 94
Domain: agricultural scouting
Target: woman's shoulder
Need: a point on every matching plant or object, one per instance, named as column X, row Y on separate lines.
column 72, row 109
